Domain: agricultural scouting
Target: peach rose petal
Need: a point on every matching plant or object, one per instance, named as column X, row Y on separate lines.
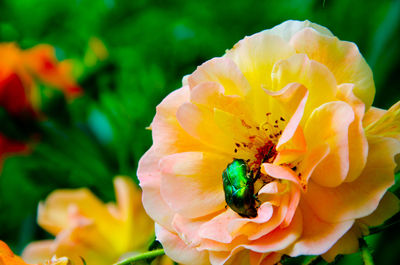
column 289, row 28
column 256, row 231
column 310, row 162
column 336, row 117
column 255, row 258
column 226, row 257
column 311, row 74
column 198, row 121
column 345, row 202
column 388, row 206
column 223, row 71
column 318, row 236
column 292, row 100
column 168, row 138
column 358, row 149
column 280, row 172
column 280, row 238
column 188, row 229
column 232, row 125
column 212, row 95
column 180, row 183
column 150, row 180
column 347, row 244
column 177, row 250
column 256, row 56
column 225, row 226
column 342, row 58
column 271, row 259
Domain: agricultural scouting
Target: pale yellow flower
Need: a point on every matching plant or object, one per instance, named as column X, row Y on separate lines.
column 85, row 227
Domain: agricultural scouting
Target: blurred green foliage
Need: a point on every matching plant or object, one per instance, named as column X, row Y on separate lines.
column 152, row 45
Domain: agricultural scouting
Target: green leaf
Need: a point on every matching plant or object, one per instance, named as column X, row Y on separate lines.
column 365, row 253
column 141, row 257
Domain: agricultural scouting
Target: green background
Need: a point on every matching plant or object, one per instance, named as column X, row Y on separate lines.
column 152, row 45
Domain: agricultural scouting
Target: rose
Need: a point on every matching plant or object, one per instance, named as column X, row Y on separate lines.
column 307, row 94
column 85, row 227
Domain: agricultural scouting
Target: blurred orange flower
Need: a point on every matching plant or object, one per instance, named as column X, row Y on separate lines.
column 20, row 73
column 7, row 257
column 85, row 227
column 20, row 70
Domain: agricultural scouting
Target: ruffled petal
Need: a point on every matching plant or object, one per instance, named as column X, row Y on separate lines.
column 177, row 250
column 345, row 202
column 336, row 118
column 288, row 29
column 168, row 138
column 318, row 236
column 223, row 71
column 312, row 74
column 358, row 145
column 341, row 57
column 256, row 56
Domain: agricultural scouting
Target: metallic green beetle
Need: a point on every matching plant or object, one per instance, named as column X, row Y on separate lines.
column 239, row 188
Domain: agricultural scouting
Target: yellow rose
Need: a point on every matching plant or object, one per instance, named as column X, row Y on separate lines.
column 294, row 103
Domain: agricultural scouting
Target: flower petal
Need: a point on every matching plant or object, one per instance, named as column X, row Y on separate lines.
column 347, row 244
column 358, row 145
column 256, row 56
column 345, row 202
column 198, row 121
column 312, row 74
column 289, row 28
column 372, row 115
column 38, row 252
column 223, row 71
column 318, row 236
column 341, row 57
column 193, row 175
column 177, row 250
column 388, row 125
column 336, row 117
column 388, row 206
column 280, row 238
column 168, row 138
column 212, row 95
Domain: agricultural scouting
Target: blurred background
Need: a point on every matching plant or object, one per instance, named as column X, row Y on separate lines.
column 125, row 57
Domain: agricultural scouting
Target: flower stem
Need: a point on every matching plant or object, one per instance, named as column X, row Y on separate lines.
column 143, row 256
column 365, row 253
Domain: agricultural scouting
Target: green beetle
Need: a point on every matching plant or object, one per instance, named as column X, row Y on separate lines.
column 239, row 188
